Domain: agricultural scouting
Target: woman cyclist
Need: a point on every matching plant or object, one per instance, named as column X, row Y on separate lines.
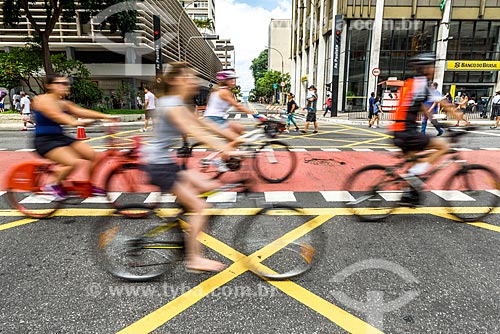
column 174, row 118
column 52, row 111
column 221, row 99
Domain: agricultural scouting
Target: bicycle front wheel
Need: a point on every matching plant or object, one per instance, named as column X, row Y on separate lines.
column 275, row 162
column 129, row 183
column 25, row 192
column 472, row 184
column 137, row 247
column 280, row 242
column 375, row 195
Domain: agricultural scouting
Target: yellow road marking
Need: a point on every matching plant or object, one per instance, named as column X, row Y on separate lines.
column 17, row 223
column 332, row 312
column 109, row 135
column 483, row 225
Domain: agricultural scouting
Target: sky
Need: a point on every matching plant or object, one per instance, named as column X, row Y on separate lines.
column 246, row 23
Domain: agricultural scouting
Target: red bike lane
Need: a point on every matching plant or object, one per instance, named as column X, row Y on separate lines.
column 315, row 171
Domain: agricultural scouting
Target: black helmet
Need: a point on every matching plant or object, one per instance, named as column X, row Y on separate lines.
column 428, row 58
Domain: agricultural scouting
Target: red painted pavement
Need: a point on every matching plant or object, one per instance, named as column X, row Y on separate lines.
column 316, row 170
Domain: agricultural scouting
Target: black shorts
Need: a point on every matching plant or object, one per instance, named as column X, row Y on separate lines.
column 163, row 175
column 311, row 117
column 411, row 141
column 370, row 114
column 46, row 143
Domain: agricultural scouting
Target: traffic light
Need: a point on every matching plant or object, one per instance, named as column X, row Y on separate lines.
column 156, row 27
column 337, row 36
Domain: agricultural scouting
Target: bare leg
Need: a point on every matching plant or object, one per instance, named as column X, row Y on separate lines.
column 67, row 157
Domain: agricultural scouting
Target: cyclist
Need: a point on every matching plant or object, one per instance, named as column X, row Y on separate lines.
column 52, row 111
column 415, row 94
column 174, row 118
column 221, row 99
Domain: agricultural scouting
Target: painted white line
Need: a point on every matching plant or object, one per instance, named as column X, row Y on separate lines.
column 3, row 149
column 391, row 196
column 199, row 149
column 102, row 199
column 37, row 199
column 362, row 149
column 2, row 192
column 101, row 149
column 330, row 149
column 237, row 116
column 26, row 150
column 486, row 133
column 453, row 195
column 463, row 149
column 392, row 149
column 155, row 197
column 249, row 116
column 494, row 192
column 298, row 150
column 337, row 196
column 229, row 196
column 490, row 148
column 280, row 196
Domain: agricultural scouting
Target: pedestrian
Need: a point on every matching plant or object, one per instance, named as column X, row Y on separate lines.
column 290, row 110
column 433, row 108
column 371, row 105
column 138, row 101
column 377, row 112
column 462, row 108
column 149, row 108
column 328, row 105
column 115, row 101
column 26, row 111
column 495, row 109
column 2, row 99
column 311, row 99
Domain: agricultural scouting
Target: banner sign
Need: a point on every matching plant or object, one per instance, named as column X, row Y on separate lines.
column 473, row 65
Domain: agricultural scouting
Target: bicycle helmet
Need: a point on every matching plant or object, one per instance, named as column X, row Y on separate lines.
column 428, row 58
column 225, row 75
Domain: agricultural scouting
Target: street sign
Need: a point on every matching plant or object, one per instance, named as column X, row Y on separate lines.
column 275, row 86
column 283, row 84
column 376, row 71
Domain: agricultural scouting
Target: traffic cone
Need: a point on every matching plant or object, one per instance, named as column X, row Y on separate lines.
column 80, row 133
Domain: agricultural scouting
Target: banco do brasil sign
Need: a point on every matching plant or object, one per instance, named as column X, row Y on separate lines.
column 473, row 65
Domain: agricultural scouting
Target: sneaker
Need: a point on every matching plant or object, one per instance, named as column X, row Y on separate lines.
column 220, row 164
column 143, row 130
column 296, row 129
column 286, row 131
column 315, row 131
column 410, row 198
column 55, row 190
column 302, row 131
column 493, row 127
column 96, row 191
column 24, row 129
column 440, row 133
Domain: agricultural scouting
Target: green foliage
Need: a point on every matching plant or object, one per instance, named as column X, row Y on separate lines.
column 20, row 65
column 265, row 85
column 65, row 10
column 85, row 92
column 206, row 25
column 259, row 65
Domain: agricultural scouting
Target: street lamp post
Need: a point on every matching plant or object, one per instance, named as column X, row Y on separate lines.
column 282, row 69
column 179, row 26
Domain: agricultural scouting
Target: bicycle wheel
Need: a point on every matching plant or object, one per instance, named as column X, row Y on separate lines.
column 478, row 185
column 375, row 194
column 275, row 162
column 128, row 183
column 24, row 189
column 280, row 242
column 137, row 247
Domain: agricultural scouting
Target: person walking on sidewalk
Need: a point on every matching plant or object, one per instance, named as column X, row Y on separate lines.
column 377, row 111
column 149, row 107
column 433, row 109
column 26, row 110
column 311, row 99
column 371, row 105
column 290, row 110
column 495, row 109
column 328, row 105
column 462, row 108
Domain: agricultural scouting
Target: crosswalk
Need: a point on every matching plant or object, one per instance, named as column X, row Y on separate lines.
column 319, row 198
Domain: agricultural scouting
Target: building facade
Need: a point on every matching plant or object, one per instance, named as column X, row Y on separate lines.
column 352, row 48
column 113, row 60
column 226, row 53
column 201, row 10
column 279, row 46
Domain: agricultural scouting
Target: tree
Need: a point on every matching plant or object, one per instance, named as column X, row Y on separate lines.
column 206, row 25
column 65, row 10
column 259, row 65
column 265, row 85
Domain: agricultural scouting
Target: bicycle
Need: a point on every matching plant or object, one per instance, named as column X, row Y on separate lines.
column 273, row 160
column 377, row 189
column 26, row 180
column 139, row 243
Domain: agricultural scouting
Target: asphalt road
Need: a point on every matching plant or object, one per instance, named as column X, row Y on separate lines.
column 416, row 272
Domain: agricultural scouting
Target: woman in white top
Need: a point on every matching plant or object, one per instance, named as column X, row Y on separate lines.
column 221, row 99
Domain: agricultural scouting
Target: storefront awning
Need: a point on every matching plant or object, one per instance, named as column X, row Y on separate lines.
column 396, row 83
